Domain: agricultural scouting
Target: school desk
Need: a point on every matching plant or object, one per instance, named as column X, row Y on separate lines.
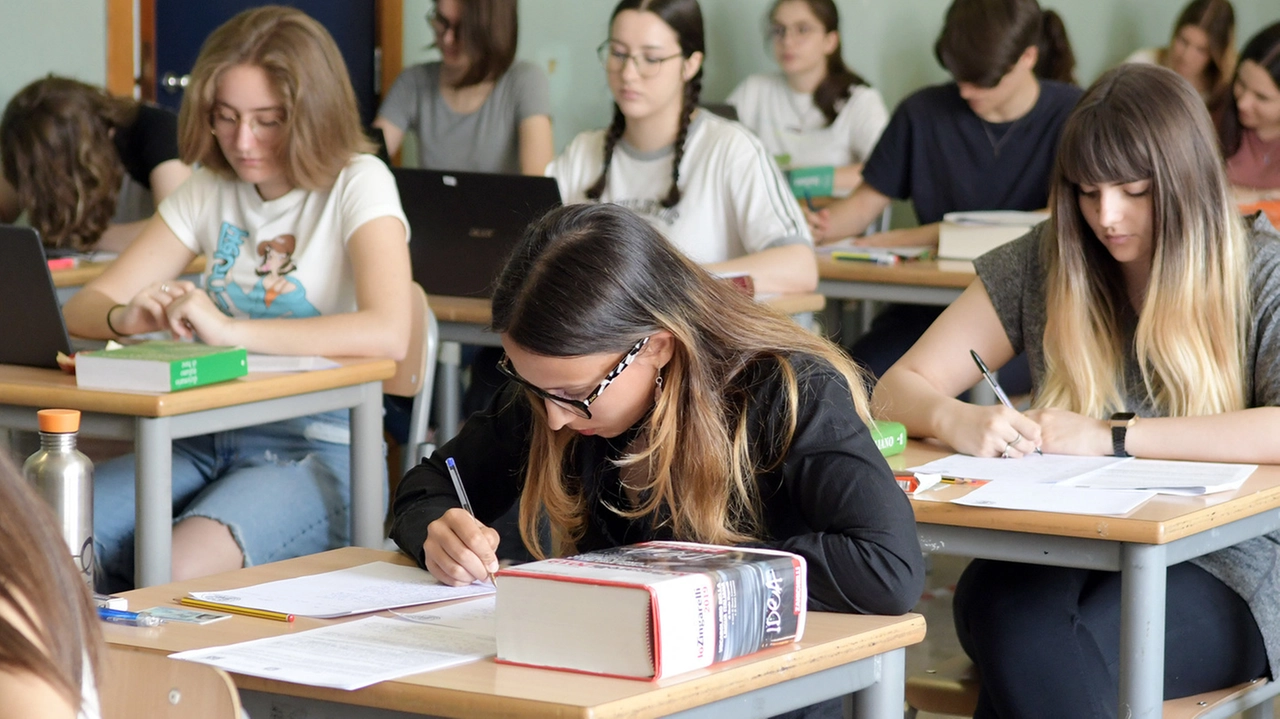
column 465, row 320
column 1162, row 532
column 154, row 420
column 839, row 655
column 69, row 281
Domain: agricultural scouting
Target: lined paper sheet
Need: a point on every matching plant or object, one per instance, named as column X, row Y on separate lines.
column 1054, row 498
column 1031, row 469
column 1169, row 477
column 369, row 587
column 350, row 655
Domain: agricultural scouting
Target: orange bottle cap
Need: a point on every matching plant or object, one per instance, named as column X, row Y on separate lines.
column 58, row 421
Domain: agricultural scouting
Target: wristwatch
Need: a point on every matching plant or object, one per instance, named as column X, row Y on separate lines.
column 1120, row 424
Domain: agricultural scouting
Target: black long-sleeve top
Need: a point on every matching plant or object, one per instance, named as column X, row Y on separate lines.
column 832, row 499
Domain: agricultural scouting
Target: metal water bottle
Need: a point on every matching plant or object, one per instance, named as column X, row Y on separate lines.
column 64, row 477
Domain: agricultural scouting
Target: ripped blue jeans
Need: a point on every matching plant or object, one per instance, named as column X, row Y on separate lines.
column 282, row 489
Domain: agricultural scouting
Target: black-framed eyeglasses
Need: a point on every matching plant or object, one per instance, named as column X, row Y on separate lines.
column 580, row 407
column 440, row 24
column 615, row 61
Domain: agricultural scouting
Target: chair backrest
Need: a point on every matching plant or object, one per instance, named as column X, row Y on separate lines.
column 144, row 684
column 415, row 374
column 881, row 224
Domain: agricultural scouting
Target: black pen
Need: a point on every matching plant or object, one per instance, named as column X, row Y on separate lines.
column 462, row 495
column 808, row 201
column 995, row 386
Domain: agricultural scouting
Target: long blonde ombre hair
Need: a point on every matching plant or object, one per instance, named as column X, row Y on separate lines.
column 1141, row 122
column 590, row 279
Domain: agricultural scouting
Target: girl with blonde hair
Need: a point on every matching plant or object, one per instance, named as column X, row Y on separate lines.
column 271, row 119
column 648, row 400
column 1150, row 315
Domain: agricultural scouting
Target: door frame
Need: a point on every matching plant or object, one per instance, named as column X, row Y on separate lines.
column 123, row 76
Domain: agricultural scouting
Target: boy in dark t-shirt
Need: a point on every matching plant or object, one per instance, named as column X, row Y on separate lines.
column 986, row 141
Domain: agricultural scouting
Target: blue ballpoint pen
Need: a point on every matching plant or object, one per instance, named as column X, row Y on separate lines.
column 133, row 619
column 462, row 496
column 995, row 386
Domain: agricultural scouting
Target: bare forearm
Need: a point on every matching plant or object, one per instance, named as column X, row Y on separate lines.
column 86, row 314
column 922, row 236
column 903, row 395
column 848, row 178
column 788, row 269
column 118, row 236
column 1243, row 436
column 350, row 334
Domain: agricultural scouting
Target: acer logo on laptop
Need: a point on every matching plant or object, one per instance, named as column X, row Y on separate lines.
column 483, row 233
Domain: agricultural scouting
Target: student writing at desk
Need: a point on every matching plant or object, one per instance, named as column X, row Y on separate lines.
column 476, row 109
column 1144, row 296
column 88, row 168
column 50, row 642
column 649, row 400
column 983, row 142
column 307, row 248
column 705, row 182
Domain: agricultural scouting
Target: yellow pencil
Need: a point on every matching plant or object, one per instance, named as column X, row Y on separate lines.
column 233, row 609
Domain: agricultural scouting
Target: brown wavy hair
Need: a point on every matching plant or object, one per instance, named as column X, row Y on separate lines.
column 322, row 123
column 54, row 625
column 1217, row 18
column 55, row 138
column 596, row 278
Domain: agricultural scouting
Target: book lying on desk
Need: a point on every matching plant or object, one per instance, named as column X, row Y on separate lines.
column 159, row 366
column 649, row 610
column 968, row 235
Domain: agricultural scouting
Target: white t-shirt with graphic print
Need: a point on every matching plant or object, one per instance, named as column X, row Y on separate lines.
column 284, row 257
column 734, row 199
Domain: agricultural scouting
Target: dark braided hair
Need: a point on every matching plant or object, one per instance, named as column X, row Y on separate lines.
column 685, row 18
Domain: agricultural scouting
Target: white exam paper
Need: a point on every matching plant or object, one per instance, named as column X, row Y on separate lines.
column 1054, row 498
column 369, row 587
column 350, row 655
column 1031, row 469
column 1169, row 476
column 475, row 616
column 289, row 363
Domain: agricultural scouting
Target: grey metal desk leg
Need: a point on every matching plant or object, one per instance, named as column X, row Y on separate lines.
column 833, row 319
column 448, row 391
column 1144, row 573
column 153, row 486
column 884, row 699
column 366, row 468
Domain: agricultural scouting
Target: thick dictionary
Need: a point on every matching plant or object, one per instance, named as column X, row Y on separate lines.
column 649, row 610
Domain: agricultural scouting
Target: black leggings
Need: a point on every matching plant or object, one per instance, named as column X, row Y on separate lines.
column 1046, row 640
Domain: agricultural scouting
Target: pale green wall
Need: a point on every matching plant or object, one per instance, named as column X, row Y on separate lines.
column 68, row 37
column 890, row 42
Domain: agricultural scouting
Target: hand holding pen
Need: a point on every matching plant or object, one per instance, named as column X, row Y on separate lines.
column 459, row 548
column 1004, row 400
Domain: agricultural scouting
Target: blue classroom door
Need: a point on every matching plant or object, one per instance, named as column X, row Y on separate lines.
column 182, row 26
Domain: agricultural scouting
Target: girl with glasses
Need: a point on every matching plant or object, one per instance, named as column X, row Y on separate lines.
column 816, row 112
column 1151, row 317
column 707, row 183
column 88, row 168
column 284, row 185
column 475, row 109
column 651, row 401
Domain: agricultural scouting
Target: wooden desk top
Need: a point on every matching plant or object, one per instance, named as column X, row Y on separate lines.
column 1157, row 521
column 926, row 273
column 83, row 272
column 490, row 689
column 34, row 387
column 477, row 310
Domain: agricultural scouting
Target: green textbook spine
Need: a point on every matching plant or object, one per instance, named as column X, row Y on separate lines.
column 890, row 437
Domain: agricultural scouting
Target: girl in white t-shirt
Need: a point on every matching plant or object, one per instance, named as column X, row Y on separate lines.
column 706, row 183
column 816, row 112
column 307, row 254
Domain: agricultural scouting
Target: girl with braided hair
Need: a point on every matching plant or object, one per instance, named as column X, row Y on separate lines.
column 705, row 182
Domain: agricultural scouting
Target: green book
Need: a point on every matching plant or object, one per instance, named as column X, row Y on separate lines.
column 812, row 181
column 159, row 366
column 890, row 437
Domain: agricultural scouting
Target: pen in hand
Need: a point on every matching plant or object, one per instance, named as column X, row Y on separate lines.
column 808, row 202
column 995, row 386
column 462, row 496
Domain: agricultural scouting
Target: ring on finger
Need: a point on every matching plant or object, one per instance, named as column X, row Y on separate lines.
column 164, row 287
column 1016, row 439
column 1005, row 453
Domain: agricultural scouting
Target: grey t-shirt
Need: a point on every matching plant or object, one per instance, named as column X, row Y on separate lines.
column 487, row 140
column 1014, row 279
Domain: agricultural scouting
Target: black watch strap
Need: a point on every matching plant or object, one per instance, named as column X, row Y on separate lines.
column 1117, row 440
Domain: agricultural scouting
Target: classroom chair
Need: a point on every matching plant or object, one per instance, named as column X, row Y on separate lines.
column 415, row 376
column 143, row 684
column 951, row 688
